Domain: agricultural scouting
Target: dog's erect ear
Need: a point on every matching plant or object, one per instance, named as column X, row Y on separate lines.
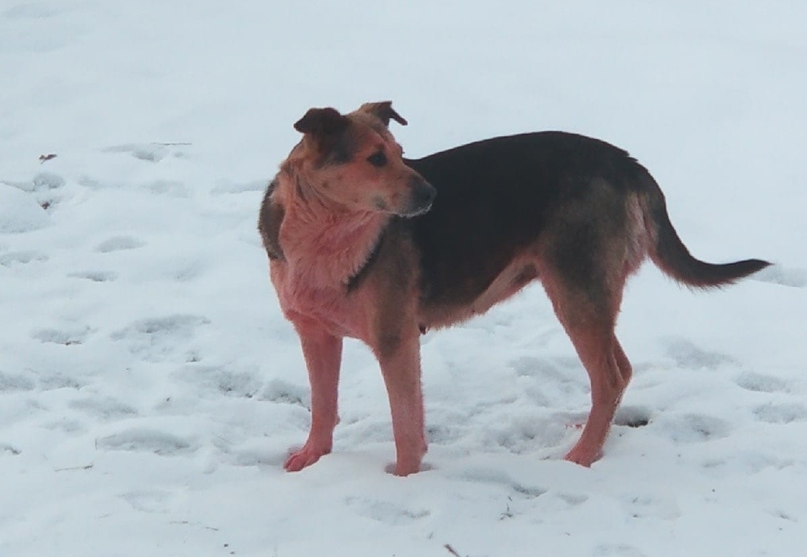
column 383, row 111
column 321, row 122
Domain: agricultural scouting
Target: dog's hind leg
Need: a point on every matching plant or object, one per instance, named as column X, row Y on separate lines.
column 622, row 362
column 323, row 356
column 589, row 319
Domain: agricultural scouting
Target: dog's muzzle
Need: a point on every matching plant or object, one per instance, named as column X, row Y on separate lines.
column 421, row 198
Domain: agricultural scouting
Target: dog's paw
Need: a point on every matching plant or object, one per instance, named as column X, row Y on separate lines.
column 306, row 456
column 584, row 454
column 403, row 469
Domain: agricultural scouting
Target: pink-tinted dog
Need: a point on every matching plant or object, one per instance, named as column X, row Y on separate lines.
column 365, row 244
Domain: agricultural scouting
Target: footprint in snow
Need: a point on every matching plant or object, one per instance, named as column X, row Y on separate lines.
column 252, row 455
column 444, row 433
column 785, row 276
column 66, row 337
column 529, row 432
column 572, row 499
column 150, row 152
column 781, row 413
column 148, row 440
column 67, row 426
column 393, row 514
column 692, row 428
column 169, row 188
column 284, row 392
column 689, row 356
column 632, row 416
column 527, row 436
column 105, row 408
column 159, row 338
column 42, row 188
column 46, row 181
column 149, row 500
column 652, row 506
column 20, row 212
column 217, row 380
column 15, row 382
column 6, row 449
column 119, row 243
column 532, row 366
column 758, row 382
column 54, row 381
column 746, row 461
column 13, row 258
column 565, row 372
column 497, row 477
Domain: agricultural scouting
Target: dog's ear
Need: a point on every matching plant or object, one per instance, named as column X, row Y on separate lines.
column 383, row 111
column 322, row 122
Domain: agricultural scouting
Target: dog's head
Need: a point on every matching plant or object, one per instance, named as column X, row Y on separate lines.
column 354, row 161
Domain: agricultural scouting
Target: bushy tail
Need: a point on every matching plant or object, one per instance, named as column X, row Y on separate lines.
column 673, row 258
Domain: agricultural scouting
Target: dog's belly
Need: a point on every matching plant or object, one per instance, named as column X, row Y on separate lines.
column 516, row 275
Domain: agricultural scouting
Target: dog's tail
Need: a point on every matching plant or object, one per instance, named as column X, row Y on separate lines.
column 671, row 255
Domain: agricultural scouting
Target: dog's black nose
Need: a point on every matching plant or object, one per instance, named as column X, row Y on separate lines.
column 424, row 194
column 421, row 198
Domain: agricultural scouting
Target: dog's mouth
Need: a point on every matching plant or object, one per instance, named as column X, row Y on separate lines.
column 417, row 212
column 420, row 201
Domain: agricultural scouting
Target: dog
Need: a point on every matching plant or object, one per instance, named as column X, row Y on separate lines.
column 364, row 243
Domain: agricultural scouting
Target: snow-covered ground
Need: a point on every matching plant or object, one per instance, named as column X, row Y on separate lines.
column 150, row 388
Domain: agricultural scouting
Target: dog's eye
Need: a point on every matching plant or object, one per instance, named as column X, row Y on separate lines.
column 378, row 159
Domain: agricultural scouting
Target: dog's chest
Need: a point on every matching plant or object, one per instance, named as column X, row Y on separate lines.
column 308, row 304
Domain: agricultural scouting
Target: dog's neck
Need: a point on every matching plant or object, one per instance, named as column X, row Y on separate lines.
column 325, row 246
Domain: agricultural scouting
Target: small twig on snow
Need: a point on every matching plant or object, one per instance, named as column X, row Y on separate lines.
column 71, row 468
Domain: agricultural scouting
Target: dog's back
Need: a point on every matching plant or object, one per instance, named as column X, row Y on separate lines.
column 496, row 197
column 579, row 204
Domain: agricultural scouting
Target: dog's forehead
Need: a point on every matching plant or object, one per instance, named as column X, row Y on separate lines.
column 362, row 135
column 368, row 123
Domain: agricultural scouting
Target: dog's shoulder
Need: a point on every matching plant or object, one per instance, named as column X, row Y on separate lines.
column 269, row 221
column 394, row 255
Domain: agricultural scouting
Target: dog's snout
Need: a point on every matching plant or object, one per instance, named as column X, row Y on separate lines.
column 421, row 198
column 424, row 194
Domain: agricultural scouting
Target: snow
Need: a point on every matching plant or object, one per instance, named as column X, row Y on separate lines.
column 150, row 388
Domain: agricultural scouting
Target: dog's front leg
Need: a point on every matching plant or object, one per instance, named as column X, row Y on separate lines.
column 323, row 356
column 400, row 364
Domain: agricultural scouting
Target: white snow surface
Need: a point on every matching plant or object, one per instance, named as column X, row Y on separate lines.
column 150, row 387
